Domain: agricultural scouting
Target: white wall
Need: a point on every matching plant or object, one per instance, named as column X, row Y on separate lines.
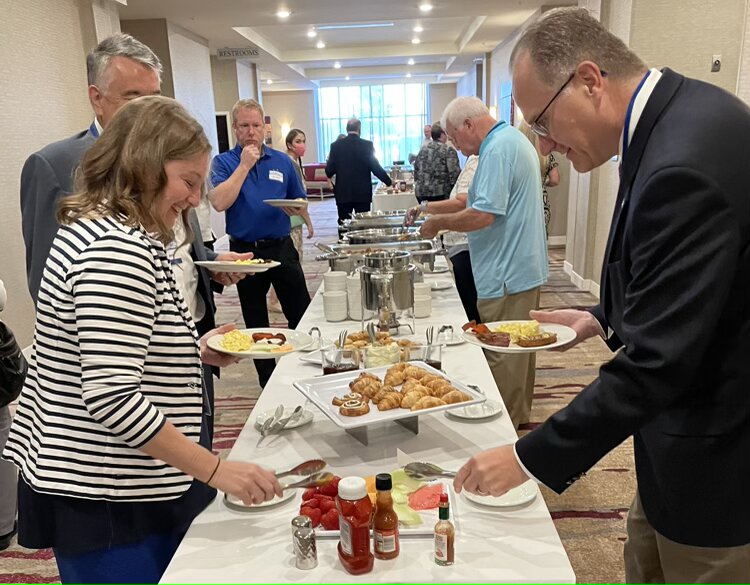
column 297, row 109
column 441, row 95
column 43, row 99
column 467, row 85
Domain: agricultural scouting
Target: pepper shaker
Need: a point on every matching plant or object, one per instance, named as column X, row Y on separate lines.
column 305, row 550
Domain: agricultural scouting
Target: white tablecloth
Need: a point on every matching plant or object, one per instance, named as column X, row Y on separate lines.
column 386, row 202
column 492, row 545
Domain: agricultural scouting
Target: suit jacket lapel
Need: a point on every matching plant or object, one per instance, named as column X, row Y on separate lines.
column 661, row 96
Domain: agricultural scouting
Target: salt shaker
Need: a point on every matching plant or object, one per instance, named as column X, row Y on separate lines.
column 301, row 522
column 305, row 551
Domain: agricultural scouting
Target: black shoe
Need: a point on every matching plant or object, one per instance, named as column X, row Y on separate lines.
column 6, row 538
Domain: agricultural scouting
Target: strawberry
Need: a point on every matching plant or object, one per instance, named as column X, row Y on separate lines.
column 309, row 493
column 330, row 520
column 313, row 513
column 330, row 489
column 327, row 505
column 322, row 497
column 311, row 504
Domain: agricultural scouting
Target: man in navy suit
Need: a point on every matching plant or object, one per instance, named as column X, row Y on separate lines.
column 352, row 159
column 674, row 300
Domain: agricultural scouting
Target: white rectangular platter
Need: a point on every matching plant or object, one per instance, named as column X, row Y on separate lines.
column 321, row 390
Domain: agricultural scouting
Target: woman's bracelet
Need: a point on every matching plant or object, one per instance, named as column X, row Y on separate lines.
column 210, row 477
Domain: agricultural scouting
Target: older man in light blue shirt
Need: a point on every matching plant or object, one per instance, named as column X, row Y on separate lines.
column 504, row 219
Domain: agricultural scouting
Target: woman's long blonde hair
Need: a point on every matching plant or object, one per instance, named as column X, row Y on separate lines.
column 123, row 176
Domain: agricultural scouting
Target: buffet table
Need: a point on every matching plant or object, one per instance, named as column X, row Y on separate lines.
column 492, row 545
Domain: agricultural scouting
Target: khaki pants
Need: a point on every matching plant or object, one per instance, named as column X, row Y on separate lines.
column 513, row 374
column 652, row 558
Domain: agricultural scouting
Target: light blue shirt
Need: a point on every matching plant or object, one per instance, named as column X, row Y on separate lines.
column 511, row 253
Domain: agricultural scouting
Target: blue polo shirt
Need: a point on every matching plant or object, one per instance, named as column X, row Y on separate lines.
column 512, row 251
column 272, row 177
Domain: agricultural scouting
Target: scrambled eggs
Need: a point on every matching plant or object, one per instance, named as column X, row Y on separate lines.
column 518, row 328
column 235, row 340
column 252, row 261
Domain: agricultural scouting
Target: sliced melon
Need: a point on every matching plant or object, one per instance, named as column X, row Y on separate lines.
column 406, row 515
column 402, row 480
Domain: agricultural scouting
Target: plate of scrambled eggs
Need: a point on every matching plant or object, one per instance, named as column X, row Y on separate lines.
column 260, row 343
column 254, row 265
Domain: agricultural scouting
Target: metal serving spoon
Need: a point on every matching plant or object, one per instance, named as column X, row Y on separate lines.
column 315, row 480
column 422, row 470
column 305, row 468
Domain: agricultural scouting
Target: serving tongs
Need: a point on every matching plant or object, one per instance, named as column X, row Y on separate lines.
column 424, row 471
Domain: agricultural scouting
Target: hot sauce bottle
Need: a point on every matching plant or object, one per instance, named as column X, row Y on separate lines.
column 385, row 520
column 355, row 508
column 444, row 534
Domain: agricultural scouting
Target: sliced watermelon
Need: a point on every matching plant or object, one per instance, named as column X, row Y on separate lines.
column 426, row 498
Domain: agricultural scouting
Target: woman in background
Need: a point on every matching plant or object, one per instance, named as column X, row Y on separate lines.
column 548, row 169
column 295, row 148
column 107, row 426
column 7, row 470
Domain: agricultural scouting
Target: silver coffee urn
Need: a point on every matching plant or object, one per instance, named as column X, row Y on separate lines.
column 387, row 280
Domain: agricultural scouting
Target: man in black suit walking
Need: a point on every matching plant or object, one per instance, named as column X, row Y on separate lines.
column 352, row 159
column 674, row 300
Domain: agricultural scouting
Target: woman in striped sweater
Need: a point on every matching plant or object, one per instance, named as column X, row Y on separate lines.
column 106, row 432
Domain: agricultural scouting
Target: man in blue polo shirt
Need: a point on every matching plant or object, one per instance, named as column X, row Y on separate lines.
column 243, row 177
column 504, row 218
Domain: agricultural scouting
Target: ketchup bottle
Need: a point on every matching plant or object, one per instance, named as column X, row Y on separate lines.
column 355, row 508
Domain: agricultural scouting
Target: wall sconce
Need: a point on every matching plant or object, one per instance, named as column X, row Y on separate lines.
column 285, row 127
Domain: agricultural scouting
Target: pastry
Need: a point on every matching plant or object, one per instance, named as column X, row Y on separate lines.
column 354, row 408
column 455, row 396
column 440, row 391
column 338, row 401
column 536, row 340
column 394, row 378
column 380, row 394
column 411, row 398
column 390, row 401
column 414, row 372
column 366, row 386
column 427, row 402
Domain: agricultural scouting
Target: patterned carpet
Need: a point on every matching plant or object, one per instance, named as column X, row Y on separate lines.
column 590, row 516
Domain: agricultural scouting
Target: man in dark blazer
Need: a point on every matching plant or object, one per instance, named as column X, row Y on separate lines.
column 674, row 300
column 119, row 69
column 352, row 160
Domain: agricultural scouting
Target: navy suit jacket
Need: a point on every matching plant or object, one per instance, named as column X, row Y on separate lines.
column 675, row 290
column 352, row 159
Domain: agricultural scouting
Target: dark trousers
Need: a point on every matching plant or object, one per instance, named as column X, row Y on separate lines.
column 345, row 208
column 288, row 281
column 465, row 284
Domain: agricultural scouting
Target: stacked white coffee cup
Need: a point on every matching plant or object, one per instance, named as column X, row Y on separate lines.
column 334, row 296
column 422, row 299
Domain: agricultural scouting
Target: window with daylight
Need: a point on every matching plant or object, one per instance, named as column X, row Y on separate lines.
column 392, row 116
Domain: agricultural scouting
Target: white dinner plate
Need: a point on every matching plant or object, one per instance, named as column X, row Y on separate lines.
column 438, row 270
column 219, row 266
column 313, row 357
column 564, row 335
column 441, row 284
column 304, row 419
column 295, row 203
column 236, row 504
column 296, row 339
column 487, row 409
column 523, row 494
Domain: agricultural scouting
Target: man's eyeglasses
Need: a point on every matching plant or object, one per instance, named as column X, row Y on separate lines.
column 536, row 126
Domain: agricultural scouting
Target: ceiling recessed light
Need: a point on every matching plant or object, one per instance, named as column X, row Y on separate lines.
column 417, row 29
column 355, row 25
column 415, row 41
column 269, row 81
column 408, row 75
column 321, row 45
column 410, row 62
column 347, row 78
column 425, row 7
column 312, row 33
column 337, row 65
column 283, row 14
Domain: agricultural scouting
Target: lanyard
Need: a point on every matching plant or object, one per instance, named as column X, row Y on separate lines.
column 93, row 130
column 626, row 131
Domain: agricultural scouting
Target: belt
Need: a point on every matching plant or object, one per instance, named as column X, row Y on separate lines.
column 265, row 243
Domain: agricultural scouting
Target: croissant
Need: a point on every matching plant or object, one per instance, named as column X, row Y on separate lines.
column 427, row 402
column 380, row 394
column 426, row 379
column 440, row 391
column 455, row 396
column 367, row 387
column 409, row 384
column 412, row 397
column 435, row 384
column 399, row 367
column 390, row 401
column 414, row 372
column 394, row 378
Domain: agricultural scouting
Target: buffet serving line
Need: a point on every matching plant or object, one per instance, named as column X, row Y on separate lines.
column 516, row 543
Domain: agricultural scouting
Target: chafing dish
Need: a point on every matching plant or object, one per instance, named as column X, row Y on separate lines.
column 395, row 221
column 347, row 257
column 382, row 235
column 379, row 214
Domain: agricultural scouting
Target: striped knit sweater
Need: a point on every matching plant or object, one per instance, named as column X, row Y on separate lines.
column 115, row 355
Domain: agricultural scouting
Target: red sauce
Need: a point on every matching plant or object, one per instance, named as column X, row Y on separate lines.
column 354, row 545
